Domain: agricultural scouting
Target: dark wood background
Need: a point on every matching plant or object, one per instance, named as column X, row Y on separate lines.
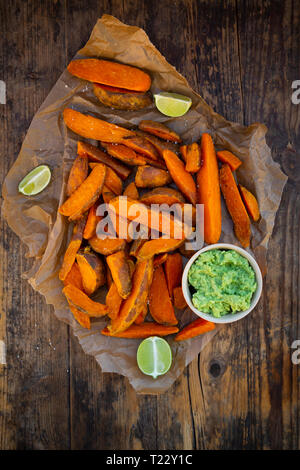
column 243, row 390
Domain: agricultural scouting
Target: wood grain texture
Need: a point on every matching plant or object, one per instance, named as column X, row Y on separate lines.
column 243, row 391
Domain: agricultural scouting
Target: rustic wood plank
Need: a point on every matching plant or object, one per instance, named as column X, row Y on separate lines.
column 243, row 391
column 34, row 385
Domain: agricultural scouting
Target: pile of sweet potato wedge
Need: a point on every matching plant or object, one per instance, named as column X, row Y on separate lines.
column 142, row 276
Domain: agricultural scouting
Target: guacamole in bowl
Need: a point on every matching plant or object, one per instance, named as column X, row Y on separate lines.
column 221, row 282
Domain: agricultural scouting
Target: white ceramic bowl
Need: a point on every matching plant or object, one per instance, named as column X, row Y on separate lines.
column 229, row 318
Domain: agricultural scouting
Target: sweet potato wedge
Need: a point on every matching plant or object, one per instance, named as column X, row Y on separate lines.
column 110, row 73
column 157, row 220
column 183, row 180
column 74, row 277
column 160, row 304
column 178, row 298
column 159, row 129
column 158, row 245
column 93, row 128
column 113, row 301
column 131, row 191
column 209, row 190
column 83, row 303
column 136, row 245
column 114, row 98
column 141, row 146
column 195, row 328
column 144, row 330
column 82, row 318
column 73, row 247
column 235, row 205
column 123, row 153
column 159, row 259
column 96, row 155
column 107, row 194
column 78, row 173
column 158, row 144
column 173, row 271
column 113, row 298
column 86, row 195
column 250, row 202
column 92, row 270
column 108, row 246
column 92, row 221
column 228, row 157
column 193, row 158
column 162, row 195
column 120, row 272
column 150, row 177
column 183, row 150
column 135, row 303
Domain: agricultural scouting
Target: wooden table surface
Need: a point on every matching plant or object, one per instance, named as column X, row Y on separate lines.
column 243, row 390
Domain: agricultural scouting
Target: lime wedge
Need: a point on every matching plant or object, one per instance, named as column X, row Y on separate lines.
column 172, row 104
column 154, row 356
column 35, row 181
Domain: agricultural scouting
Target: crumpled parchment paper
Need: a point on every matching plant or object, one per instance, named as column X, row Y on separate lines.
column 46, row 233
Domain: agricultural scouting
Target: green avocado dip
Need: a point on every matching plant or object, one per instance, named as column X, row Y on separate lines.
column 221, row 282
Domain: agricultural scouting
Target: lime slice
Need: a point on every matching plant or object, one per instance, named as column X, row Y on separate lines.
column 36, row 180
column 172, row 104
column 154, row 356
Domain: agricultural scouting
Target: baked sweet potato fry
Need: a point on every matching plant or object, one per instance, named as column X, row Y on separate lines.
column 131, row 191
column 83, row 303
column 159, row 129
column 82, row 318
column 110, row 73
column 183, row 150
column 178, row 298
column 92, row 270
column 93, row 128
column 73, row 247
column 74, row 277
column 150, row 177
column 160, row 304
column 107, row 194
column 235, row 205
column 193, row 158
column 141, row 146
column 120, row 272
column 159, row 259
column 78, row 173
column 162, row 195
column 96, row 155
column 144, row 330
column 107, row 246
column 158, row 245
column 86, row 195
column 158, row 144
column 195, row 328
column 123, row 153
column 113, row 301
column 173, row 271
column 250, row 202
column 209, row 190
column 112, row 181
column 183, row 180
column 124, row 99
column 135, row 246
column 135, row 303
column 228, row 157
column 92, row 221
column 158, row 220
